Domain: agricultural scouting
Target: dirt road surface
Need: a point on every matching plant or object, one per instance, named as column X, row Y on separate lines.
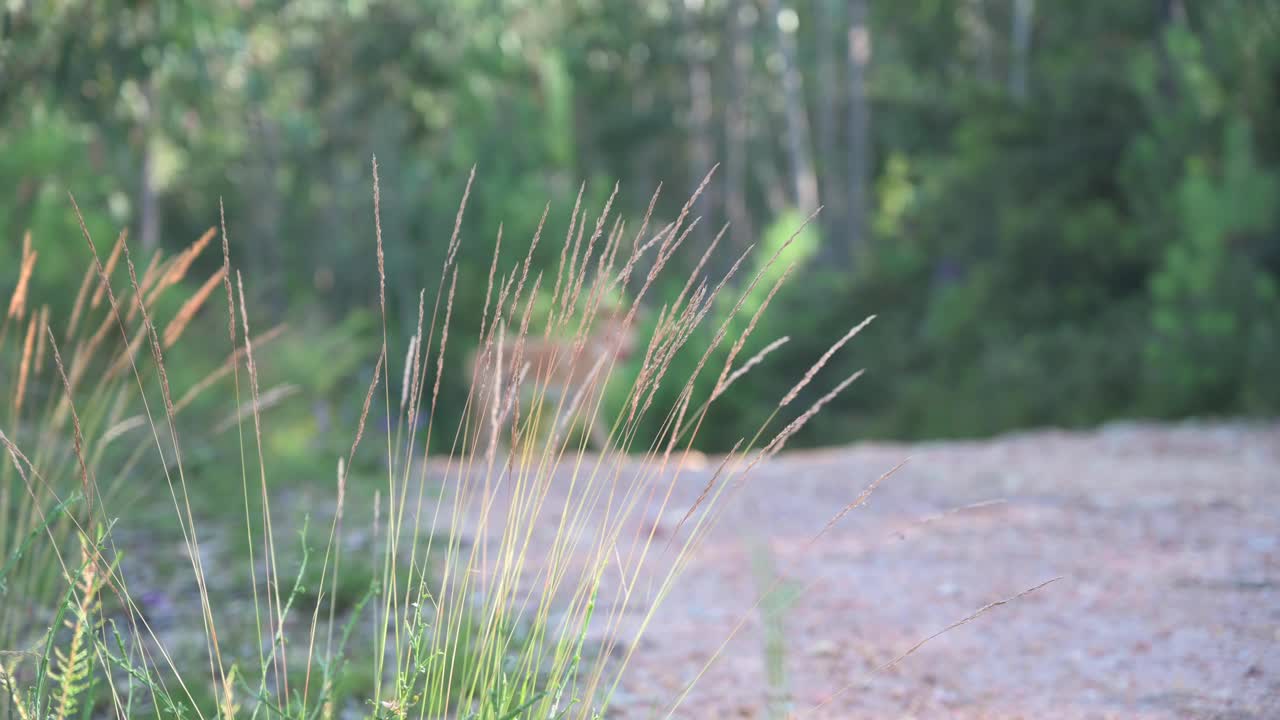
column 1166, row 540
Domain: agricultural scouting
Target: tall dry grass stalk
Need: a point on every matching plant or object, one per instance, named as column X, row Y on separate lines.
column 18, row 300
column 507, row 566
column 71, row 439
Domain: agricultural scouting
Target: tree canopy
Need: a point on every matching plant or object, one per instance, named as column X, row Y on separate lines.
column 1061, row 212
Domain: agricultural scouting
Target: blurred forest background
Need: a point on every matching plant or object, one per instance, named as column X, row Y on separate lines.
column 1062, row 212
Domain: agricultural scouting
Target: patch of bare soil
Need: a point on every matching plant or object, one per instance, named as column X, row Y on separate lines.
column 1167, row 540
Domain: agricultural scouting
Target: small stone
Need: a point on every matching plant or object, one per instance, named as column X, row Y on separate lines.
column 824, row 648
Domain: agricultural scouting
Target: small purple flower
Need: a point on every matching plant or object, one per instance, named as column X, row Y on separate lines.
column 947, row 271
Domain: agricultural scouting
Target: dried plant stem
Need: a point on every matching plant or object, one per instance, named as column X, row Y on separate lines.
column 911, row 650
column 858, row 501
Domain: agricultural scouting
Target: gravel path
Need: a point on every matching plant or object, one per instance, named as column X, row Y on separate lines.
column 1167, row 540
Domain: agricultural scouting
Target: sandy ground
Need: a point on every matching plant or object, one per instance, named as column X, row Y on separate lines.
column 1166, row 539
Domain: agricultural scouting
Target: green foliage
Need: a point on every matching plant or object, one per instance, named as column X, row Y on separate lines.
column 1110, row 248
column 786, row 245
column 1105, row 244
column 73, row 668
column 1105, row 230
column 1213, row 312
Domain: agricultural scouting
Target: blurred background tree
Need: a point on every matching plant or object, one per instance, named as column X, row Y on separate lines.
column 1061, row 212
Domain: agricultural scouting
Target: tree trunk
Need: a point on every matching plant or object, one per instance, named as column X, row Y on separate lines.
column 1020, row 34
column 701, row 144
column 774, row 188
column 980, row 34
column 642, row 156
column 799, row 146
column 859, row 126
column 828, row 92
column 149, row 210
column 266, row 213
column 1172, row 13
column 736, row 130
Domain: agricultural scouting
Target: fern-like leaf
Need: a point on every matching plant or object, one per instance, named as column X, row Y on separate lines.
column 73, row 668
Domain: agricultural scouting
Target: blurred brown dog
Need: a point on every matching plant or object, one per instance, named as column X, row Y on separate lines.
column 558, row 372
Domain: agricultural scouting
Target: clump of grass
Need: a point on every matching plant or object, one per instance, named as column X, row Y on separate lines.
column 459, row 618
column 73, row 427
